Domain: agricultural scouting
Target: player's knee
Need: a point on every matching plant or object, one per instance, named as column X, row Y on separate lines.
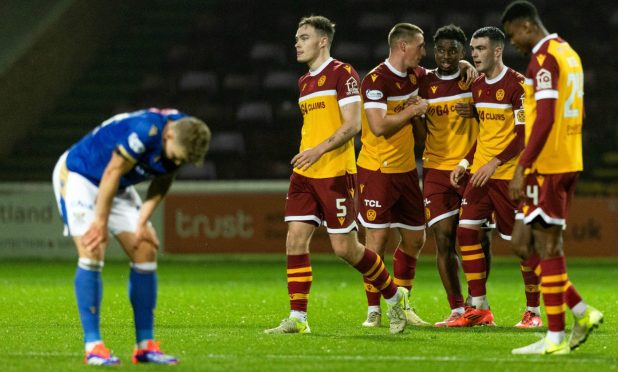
column 445, row 241
column 413, row 244
column 520, row 247
column 145, row 252
column 296, row 243
column 346, row 247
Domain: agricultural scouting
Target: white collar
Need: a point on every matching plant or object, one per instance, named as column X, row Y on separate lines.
column 542, row 41
column 497, row 78
column 394, row 70
column 322, row 66
column 447, row 77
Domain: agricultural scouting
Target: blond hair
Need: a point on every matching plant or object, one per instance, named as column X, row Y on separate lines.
column 193, row 135
column 403, row 31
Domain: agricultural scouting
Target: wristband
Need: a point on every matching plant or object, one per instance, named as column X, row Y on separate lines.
column 464, row 163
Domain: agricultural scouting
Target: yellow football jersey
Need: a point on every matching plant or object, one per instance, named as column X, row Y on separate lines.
column 555, row 72
column 499, row 103
column 449, row 136
column 322, row 92
column 387, row 89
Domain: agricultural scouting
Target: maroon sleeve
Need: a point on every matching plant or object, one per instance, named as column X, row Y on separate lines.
column 514, row 148
column 347, row 82
column 470, row 155
column 540, row 131
column 373, row 90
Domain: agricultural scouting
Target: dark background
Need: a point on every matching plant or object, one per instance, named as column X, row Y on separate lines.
column 67, row 65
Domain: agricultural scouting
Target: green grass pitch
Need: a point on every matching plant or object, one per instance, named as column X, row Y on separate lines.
column 212, row 311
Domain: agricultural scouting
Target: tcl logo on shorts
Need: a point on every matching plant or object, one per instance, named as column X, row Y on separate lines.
column 372, row 203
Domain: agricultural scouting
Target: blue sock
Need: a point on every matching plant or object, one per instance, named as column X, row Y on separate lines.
column 143, row 295
column 89, row 292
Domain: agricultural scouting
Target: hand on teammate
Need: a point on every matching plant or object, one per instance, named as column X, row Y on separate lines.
column 417, row 105
column 468, row 73
column 465, row 110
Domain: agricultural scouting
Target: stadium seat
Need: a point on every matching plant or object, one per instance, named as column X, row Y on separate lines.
column 268, row 53
column 255, row 112
column 227, row 142
column 207, row 171
column 378, row 22
column 467, row 21
column 355, row 53
column 202, row 81
column 425, row 20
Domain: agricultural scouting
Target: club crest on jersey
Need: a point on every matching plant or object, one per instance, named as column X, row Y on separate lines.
column 521, row 117
column 412, row 78
column 371, row 215
column 374, row 94
column 434, row 88
column 153, row 131
column 462, row 85
column 135, row 144
column 322, row 80
column 500, row 94
column 374, row 77
column 543, row 79
column 351, row 86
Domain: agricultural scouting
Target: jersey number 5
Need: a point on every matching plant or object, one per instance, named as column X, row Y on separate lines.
column 343, row 210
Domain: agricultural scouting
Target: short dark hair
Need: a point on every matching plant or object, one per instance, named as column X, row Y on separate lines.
column 520, row 9
column 495, row 35
column 450, row 32
column 403, row 30
column 321, row 24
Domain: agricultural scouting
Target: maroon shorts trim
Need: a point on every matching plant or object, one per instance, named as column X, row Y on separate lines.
column 548, row 197
column 390, row 200
column 327, row 201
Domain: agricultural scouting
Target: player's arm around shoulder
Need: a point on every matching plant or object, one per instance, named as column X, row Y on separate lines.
column 96, row 235
column 382, row 124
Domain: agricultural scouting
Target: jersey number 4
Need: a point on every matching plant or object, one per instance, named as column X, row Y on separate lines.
column 532, row 192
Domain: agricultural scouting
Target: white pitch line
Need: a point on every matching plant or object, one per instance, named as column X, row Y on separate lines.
column 411, row 358
column 42, row 353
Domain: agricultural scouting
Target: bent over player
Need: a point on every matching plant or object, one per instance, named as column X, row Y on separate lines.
column 549, row 167
column 322, row 183
column 93, row 183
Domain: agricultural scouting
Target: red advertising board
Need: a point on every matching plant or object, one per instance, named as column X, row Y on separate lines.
column 253, row 223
